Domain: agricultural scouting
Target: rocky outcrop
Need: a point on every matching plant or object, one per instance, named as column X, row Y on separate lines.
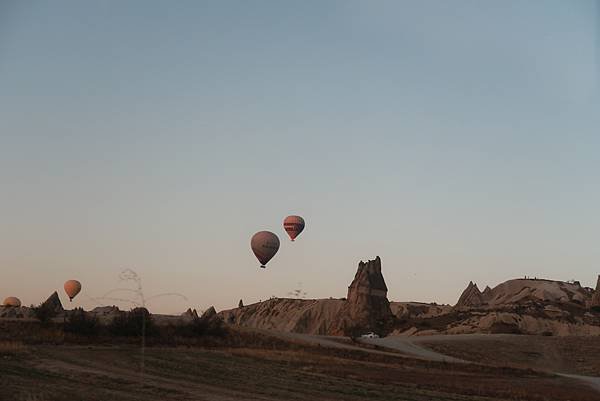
column 368, row 308
column 538, row 291
column 310, row 316
column 53, row 303
column 210, row 314
column 595, row 303
column 419, row 310
column 520, row 306
column 190, row 314
column 486, row 294
column 529, row 306
column 471, row 297
column 552, row 323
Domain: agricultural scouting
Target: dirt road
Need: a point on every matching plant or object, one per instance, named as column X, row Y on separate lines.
column 409, row 346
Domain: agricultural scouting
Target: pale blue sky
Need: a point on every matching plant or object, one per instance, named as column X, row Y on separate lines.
column 457, row 140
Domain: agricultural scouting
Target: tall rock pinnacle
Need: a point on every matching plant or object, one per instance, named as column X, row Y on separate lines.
column 368, row 305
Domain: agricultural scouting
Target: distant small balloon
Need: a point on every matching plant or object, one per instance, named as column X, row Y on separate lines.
column 265, row 245
column 293, row 225
column 12, row 301
column 72, row 288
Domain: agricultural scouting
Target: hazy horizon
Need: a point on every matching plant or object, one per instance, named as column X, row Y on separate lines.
column 457, row 141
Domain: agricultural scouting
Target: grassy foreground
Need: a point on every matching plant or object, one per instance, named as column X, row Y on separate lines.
column 112, row 372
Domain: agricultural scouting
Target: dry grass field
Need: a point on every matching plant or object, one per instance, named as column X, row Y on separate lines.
column 574, row 355
column 47, row 372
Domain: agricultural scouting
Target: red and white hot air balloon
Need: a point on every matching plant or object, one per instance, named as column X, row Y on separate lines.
column 265, row 245
column 293, row 225
column 72, row 288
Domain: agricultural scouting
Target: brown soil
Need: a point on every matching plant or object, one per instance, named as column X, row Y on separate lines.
column 97, row 373
column 575, row 355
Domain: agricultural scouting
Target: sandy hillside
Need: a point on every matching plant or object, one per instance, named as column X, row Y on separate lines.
column 314, row 316
column 524, row 290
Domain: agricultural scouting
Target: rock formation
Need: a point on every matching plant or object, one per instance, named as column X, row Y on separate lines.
column 210, row 314
column 190, row 314
column 595, row 304
column 366, row 308
column 240, row 304
column 53, row 303
column 411, row 310
column 470, row 297
column 486, row 294
column 520, row 306
column 527, row 306
column 538, row 291
column 367, row 304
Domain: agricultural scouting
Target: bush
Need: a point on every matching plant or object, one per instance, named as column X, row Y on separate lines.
column 130, row 324
column 80, row 322
column 201, row 327
column 44, row 312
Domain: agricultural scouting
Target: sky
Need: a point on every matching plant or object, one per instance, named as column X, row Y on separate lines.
column 456, row 140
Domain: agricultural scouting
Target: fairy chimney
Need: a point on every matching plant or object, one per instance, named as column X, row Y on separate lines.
column 368, row 305
column 470, row 297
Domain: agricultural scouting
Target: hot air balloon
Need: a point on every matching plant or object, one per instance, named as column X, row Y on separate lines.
column 12, row 301
column 293, row 225
column 265, row 245
column 72, row 288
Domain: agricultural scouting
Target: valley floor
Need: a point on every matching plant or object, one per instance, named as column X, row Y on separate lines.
column 306, row 372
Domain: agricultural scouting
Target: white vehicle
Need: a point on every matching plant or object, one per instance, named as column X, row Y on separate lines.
column 370, row 335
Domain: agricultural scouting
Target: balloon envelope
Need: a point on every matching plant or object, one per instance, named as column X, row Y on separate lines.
column 293, row 225
column 72, row 288
column 265, row 245
column 12, row 301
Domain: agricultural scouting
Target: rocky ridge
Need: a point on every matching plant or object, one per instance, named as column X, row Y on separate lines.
column 366, row 308
column 595, row 302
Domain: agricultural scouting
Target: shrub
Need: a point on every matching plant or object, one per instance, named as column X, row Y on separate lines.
column 131, row 324
column 44, row 312
column 201, row 327
column 80, row 322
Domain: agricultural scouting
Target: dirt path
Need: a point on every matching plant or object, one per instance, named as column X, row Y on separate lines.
column 408, row 346
column 331, row 342
column 593, row 382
